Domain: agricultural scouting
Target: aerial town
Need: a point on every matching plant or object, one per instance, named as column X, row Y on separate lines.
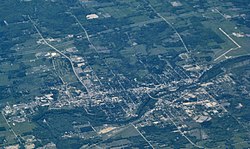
column 124, row 74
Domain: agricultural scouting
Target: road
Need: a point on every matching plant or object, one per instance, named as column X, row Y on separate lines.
column 58, row 51
column 10, row 128
column 177, row 33
column 143, row 136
